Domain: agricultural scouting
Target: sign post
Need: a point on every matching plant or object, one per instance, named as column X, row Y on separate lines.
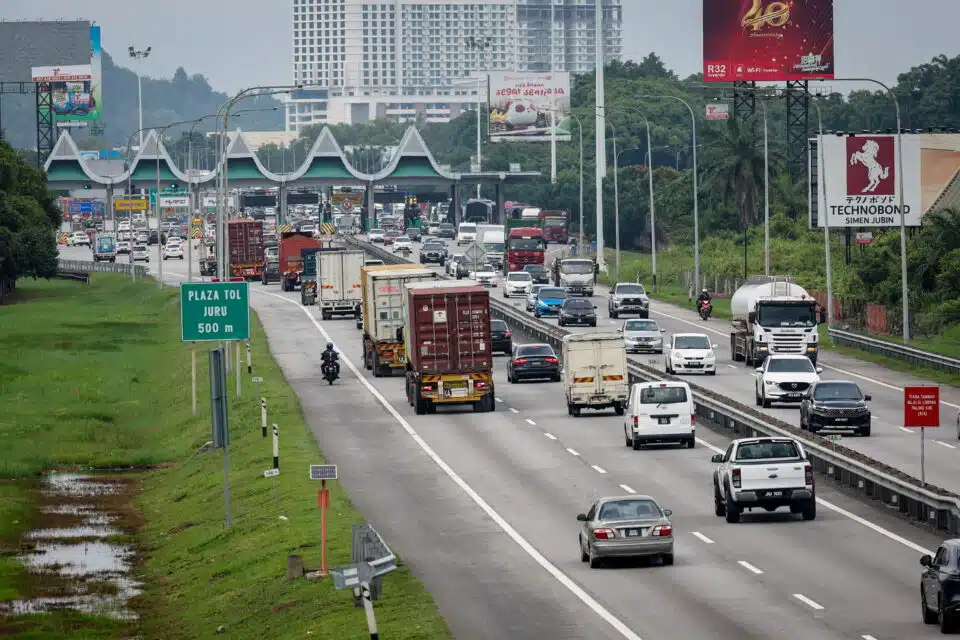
column 921, row 410
column 476, row 255
column 323, row 472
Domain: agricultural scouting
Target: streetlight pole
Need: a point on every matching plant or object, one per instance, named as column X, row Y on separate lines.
column 580, row 131
column 138, row 55
column 904, row 285
column 160, row 242
column 696, row 205
column 766, row 192
column 653, row 219
column 481, row 45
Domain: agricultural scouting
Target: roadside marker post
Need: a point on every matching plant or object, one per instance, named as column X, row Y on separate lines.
column 921, row 410
column 263, row 406
column 276, row 446
column 323, row 472
column 249, row 360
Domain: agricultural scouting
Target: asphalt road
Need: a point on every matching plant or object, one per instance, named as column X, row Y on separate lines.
column 889, row 441
column 483, row 509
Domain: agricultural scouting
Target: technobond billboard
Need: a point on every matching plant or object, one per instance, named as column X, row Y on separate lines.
column 521, row 105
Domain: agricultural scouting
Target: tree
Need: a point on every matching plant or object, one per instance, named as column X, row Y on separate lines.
column 736, row 167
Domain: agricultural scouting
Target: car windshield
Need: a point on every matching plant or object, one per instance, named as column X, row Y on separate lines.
column 663, row 394
column 536, row 289
column 790, row 365
column 535, row 350
column 436, row 246
column 837, row 391
column 519, row 277
column 767, row 450
column 630, row 290
column 468, row 228
column 446, row 227
column 498, row 325
column 577, row 304
column 691, row 342
column 372, row 231
column 630, row 510
column 641, row 325
column 484, row 268
column 526, row 244
column 553, row 293
column 494, row 247
column 535, row 269
column 579, row 267
column 787, row 315
column 372, row 263
column 403, row 239
column 555, row 222
column 393, row 234
column 140, row 247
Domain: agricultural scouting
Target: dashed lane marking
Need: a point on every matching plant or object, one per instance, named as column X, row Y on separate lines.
column 573, row 452
column 551, row 436
column 598, row 469
column 749, row 567
column 530, row 422
column 702, row 537
column 807, row 601
column 627, row 488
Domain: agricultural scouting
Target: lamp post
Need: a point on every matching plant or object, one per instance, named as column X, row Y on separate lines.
column 133, row 270
column 904, row 286
column 481, row 45
column 138, row 55
column 160, row 242
column 653, row 219
column 696, row 205
column 616, row 196
column 580, row 130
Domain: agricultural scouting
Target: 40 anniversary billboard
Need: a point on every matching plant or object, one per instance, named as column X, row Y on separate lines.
column 767, row 41
column 521, row 105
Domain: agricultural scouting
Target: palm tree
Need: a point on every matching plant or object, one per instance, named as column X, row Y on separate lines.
column 735, row 157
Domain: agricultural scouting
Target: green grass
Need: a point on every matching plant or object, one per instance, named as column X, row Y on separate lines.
column 97, row 376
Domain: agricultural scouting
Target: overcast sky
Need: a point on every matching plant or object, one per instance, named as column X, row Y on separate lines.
column 874, row 38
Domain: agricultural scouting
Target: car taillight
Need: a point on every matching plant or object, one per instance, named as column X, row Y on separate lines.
column 662, row 531
column 693, row 418
column 603, row 533
column 427, row 387
column 808, row 474
column 636, row 421
column 551, row 360
column 520, row 361
column 480, row 384
column 736, row 478
column 506, row 334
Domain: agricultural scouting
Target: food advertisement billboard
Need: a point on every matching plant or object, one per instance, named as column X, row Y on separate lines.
column 522, row 106
column 767, row 40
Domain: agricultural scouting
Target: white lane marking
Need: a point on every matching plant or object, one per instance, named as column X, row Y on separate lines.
column 550, row 435
column 613, row 322
column 945, row 444
column 905, row 430
column 731, row 366
column 531, row 422
column 749, row 567
column 702, row 537
column 849, row 514
column 512, row 410
column 500, row 521
column 824, row 365
column 807, row 601
column 627, row 488
column 498, row 400
column 867, row 636
column 598, row 469
column 573, row 452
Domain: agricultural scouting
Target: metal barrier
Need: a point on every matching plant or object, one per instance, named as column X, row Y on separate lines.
column 871, row 478
column 898, row 351
column 84, row 266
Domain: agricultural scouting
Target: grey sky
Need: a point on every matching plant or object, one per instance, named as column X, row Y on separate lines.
column 875, row 38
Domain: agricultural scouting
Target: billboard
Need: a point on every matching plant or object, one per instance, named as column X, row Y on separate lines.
column 767, row 40
column 521, row 105
column 24, row 45
column 858, row 185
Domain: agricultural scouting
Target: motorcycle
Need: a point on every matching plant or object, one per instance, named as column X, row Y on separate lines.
column 330, row 371
column 705, row 307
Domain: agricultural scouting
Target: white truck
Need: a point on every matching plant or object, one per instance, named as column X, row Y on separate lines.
column 763, row 473
column 771, row 314
column 595, row 372
column 576, row 276
column 338, row 282
column 492, row 237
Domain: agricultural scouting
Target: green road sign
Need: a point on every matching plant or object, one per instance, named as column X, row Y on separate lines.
column 212, row 311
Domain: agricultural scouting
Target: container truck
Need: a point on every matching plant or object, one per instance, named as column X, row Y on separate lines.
column 447, row 339
column 291, row 263
column 338, row 281
column 524, row 246
column 245, row 238
column 491, row 237
column 105, row 247
column 555, row 225
column 377, row 265
column 308, row 277
column 383, row 303
column 595, row 372
column 770, row 315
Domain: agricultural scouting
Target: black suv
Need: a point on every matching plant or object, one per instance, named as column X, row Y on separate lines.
column 446, row 230
column 500, row 338
column 433, row 252
column 538, row 272
column 414, row 234
column 940, row 586
column 835, row 404
column 578, row 311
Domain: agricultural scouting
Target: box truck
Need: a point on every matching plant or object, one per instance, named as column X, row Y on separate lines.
column 338, row 281
column 595, row 372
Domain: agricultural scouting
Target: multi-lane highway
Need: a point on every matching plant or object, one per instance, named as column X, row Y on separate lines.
column 483, row 508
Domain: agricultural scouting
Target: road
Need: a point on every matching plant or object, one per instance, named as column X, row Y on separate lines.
column 889, row 441
column 483, row 509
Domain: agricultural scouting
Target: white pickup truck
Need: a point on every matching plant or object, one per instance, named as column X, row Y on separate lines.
column 763, row 473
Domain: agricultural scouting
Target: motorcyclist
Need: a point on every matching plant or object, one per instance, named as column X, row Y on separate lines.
column 704, row 297
column 331, row 356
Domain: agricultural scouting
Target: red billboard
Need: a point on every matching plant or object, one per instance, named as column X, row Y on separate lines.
column 767, row 40
column 921, row 407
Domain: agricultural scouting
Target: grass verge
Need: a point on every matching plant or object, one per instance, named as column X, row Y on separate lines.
column 96, row 375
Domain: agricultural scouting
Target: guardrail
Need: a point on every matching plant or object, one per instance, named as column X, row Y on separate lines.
column 83, row 266
column 926, row 504
column 898, row 351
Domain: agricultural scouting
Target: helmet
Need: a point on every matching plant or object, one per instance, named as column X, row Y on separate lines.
column 330, row 346
column 704, row 290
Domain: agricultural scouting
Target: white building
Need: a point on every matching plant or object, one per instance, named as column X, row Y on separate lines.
column 361, row 65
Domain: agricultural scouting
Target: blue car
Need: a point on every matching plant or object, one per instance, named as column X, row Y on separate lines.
column 549, row 301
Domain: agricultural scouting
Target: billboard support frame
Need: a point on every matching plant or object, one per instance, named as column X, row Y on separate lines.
column 797, row 96
column 46, row 125
column 744, row 99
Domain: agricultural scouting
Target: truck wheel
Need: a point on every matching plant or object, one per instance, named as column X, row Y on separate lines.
column 619, row 408
column 326, row 315
column 419, row 404
column 809, row 510
column 366, row 358
column 732, row 512
column 576, row 411
column 375, row 365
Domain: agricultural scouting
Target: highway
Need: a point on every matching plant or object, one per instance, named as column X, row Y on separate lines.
column 483, row 509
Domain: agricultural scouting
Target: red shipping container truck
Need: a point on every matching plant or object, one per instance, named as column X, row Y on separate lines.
column 245, row 238
column 447, row 341
column 291, row 261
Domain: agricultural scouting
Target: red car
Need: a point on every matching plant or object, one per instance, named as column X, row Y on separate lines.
column 390, row 236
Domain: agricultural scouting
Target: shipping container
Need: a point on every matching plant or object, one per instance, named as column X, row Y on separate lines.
column 383, row 299
column 369, row 268
column 291, row 262
column 245, row 238
column 338, row 279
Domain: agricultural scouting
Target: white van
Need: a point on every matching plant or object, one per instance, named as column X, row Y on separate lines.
column 660, row 412
column 595, row 372
column 466, row 233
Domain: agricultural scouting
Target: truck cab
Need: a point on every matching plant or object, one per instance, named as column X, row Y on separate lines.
column 555, row 224
column 105, row 248
column 524, row 246
column 576, row 276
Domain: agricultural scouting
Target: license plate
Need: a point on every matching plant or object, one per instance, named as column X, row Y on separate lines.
column 794, row 395
column 840, row 419
column 775, row 494
column 633, row 533
column 663, row 420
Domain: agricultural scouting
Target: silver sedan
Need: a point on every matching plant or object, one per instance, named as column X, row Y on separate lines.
column 625, row 527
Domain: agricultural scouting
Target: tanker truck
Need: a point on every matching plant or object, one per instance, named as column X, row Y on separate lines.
column 771, row 315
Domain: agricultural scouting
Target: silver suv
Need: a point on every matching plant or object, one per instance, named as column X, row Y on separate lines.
column 628, row 297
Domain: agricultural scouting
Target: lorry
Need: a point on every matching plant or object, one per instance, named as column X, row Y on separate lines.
column 763, row 473
column 291, row 263
column 105, row 247
column 479, row 211
column 376, row 265
column 595, row 372
column 524, row 246
column 492, row 238
column 383, row 303
column 448, row 344
column 513, row 211
column 245, row 239
column 576, row 276
column 772, row 314
column 338, row 281
column 555, row 224
column 308, row 277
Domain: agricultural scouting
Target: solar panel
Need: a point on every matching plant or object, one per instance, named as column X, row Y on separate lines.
column 323, row 472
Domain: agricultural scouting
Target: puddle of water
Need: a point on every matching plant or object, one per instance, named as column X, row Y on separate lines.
column 74, row 560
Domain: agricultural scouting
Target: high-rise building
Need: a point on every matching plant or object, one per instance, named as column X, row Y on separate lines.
column 364, row 59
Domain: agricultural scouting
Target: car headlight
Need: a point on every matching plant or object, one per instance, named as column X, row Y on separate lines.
column 769, row 383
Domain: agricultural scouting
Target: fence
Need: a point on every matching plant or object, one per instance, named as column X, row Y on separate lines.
column 83, row 266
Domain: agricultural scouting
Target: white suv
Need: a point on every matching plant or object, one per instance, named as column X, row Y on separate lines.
column 690, row 353
column 784, row 378
column 466, row 233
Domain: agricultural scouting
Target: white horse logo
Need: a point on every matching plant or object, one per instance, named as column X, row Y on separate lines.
column 867, row 156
